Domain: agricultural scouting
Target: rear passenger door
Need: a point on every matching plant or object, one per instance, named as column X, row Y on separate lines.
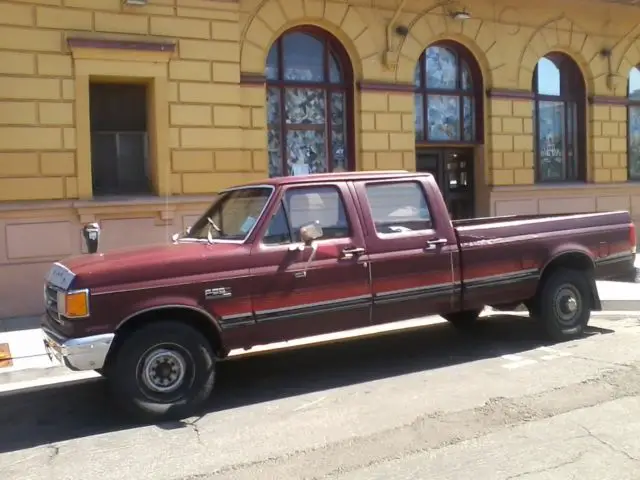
column 294, row 299
column 410, row 251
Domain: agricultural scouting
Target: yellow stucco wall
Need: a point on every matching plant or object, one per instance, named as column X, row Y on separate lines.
column 209, row 129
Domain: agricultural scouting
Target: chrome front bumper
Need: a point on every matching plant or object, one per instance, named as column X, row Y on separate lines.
column 85, row 353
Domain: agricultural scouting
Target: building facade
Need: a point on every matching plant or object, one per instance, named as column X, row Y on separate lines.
column 135, row 115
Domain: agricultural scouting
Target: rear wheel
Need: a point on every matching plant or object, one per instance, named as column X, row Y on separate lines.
column 464, row 319
column 164, row 369
column 563, row 304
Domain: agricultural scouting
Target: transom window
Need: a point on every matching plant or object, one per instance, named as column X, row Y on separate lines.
column 445, row 97
column 634, row 124
column 308, row 96
column 559, row 110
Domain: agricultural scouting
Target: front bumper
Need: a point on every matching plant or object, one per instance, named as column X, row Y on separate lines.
column 85, row 353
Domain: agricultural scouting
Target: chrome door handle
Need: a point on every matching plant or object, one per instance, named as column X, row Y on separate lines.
column 438, row 242
column 352, row 252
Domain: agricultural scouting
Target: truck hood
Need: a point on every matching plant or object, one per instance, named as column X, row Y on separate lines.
column 152, row 262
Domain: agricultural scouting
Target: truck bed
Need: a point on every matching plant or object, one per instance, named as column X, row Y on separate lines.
column 594, row 219
column 504, row 257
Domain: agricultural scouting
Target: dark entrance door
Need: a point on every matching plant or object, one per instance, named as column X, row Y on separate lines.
column 453, row 170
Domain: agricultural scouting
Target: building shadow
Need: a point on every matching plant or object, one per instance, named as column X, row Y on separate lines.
column 52, row 414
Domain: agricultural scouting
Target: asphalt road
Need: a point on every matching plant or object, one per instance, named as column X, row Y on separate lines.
column 431, row 404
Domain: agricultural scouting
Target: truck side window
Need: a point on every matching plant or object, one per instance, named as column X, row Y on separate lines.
column 317, row 204
column 398, row 207
column 278, row 232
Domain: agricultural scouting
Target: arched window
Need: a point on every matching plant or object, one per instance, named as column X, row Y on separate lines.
column 309, row 100
column 447, row 83
column 559, row 110
column 633, row 133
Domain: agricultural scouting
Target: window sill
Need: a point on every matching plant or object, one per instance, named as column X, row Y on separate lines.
column 571, row 186
column 162, row 208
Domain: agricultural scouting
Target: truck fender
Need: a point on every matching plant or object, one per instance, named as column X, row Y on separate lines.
column 158, row 305
column 167, row 304
column 576, row 257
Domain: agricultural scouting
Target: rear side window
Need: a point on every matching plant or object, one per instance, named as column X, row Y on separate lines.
column 399, row 207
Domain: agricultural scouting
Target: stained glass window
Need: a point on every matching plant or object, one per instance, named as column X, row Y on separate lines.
column 559, row 119
column 634, row 124
column 308, row 96
column 445, row 103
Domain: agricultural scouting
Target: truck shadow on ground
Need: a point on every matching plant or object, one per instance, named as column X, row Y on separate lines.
column 49, row 415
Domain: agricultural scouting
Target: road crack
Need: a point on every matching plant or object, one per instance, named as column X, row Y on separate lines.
column 193, row 424
column 575, row 459
column 610, row 446
column 54, row 451
column 438, row 430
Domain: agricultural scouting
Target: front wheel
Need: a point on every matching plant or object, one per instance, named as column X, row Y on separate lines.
column 563, row 304
column 164, row 369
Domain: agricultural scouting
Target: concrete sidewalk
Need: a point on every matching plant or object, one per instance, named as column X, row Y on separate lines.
column 22, row 354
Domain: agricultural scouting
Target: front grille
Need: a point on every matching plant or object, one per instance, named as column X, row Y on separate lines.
column 51, row 303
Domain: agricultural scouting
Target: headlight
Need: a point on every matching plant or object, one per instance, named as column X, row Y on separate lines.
column 74, row 304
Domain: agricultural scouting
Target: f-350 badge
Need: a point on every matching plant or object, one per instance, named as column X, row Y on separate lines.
column 216, row 293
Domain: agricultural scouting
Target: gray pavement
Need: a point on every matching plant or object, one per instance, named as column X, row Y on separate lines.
column 498, row 403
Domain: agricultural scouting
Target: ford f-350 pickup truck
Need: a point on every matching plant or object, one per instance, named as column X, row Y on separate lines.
column 300, row 256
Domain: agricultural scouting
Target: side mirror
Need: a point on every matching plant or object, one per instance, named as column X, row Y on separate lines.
column 310, row 232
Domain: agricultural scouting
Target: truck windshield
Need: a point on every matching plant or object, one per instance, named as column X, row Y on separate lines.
column 232, row 215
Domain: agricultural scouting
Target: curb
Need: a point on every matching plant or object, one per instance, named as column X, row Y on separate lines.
column 621, row 305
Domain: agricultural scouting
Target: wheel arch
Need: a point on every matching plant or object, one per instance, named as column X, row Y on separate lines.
column 578, row 259
column 196, row 318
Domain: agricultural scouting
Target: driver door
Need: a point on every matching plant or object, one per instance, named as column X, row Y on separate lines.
column 295, row 298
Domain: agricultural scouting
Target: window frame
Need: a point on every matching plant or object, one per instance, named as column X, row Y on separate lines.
column 573, row 97
column 631, row 104
column 330, row 46
column 394, row 235
column 280, row 205
column 104, row 125
column 463, row 58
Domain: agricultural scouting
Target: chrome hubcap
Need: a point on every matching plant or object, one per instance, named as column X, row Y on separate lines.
column 572, row 305
column 163, row 370
column 567, row 304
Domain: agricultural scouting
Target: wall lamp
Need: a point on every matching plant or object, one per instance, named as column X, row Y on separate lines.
column 135, row 2
column 460, row 15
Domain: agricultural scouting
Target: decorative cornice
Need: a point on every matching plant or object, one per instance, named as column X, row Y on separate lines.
column 508, row 93
column 373, row 86
column 608, row 100
column 104, row 43
column 252, row 79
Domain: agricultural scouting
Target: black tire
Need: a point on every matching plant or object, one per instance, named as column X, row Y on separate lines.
column 563, row 304
column 464, row 319
column 154, row 355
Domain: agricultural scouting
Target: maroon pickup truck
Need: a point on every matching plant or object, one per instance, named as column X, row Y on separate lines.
column 300, row 256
